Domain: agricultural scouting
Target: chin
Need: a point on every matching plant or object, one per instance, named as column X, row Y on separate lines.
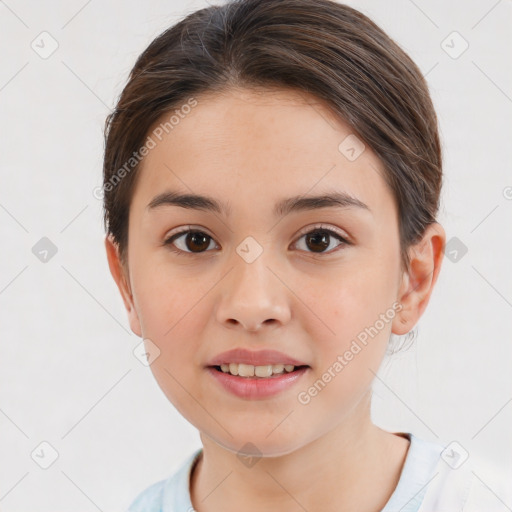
column 258, row 444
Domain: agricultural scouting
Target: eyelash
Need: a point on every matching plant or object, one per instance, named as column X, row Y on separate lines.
column 319, row 228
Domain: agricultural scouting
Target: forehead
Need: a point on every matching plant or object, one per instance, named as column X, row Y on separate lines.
column 269, row 142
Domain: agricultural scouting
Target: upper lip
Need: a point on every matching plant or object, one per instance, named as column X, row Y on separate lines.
column 256, row 358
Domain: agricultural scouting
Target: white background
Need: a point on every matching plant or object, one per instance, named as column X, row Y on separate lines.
column 67, row 372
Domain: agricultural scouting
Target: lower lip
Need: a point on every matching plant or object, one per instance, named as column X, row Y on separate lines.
column 254, row 388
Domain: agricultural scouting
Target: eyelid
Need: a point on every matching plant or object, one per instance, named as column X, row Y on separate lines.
column 326, row 227
column 185, row 229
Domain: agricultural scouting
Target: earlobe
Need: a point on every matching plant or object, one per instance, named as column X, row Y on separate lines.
column 418, row 282
column 120, row 275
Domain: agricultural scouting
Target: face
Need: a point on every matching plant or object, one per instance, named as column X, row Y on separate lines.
column 308, row 281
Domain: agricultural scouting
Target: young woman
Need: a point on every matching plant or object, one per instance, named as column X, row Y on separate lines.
column 272, row 176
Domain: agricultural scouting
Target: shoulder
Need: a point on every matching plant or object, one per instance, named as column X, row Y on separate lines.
column 465, row 483
column 169, row 495
column 150, row 499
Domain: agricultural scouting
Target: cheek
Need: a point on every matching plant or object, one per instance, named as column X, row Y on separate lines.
column 171, row 320
column 356, row 311
column 352, row 299
column 167, row 300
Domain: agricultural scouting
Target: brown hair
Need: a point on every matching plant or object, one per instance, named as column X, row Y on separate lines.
column 323, row 48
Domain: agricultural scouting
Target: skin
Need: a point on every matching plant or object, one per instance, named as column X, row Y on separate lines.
column 251, row 150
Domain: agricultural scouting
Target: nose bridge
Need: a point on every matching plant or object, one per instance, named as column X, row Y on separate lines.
column 251, row 295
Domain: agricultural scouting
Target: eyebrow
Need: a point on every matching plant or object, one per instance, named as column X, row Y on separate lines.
column 283, row 207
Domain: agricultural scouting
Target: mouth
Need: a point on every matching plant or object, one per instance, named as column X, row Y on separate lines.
column 255, row 375
column 248, row 371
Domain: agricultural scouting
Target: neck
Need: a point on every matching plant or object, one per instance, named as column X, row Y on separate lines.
column 355, row 466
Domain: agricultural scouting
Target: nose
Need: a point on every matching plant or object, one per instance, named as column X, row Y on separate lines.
column 252, row 296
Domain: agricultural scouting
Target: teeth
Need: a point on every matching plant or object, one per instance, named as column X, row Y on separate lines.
column 248, row 370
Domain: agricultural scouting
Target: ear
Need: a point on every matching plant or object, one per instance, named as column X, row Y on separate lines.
column 120, row 275
column 418, row 282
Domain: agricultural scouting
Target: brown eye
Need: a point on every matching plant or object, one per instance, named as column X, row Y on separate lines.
column 197, row 240
column 318, row 240
column 194, row 242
